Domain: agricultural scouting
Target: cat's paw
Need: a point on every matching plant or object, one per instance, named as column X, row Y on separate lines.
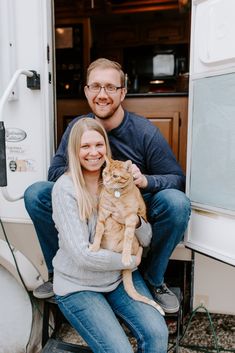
column 94, row 247
column 126, row 259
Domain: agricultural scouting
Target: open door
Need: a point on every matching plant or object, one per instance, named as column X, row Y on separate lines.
column 211, row 134
column 27, row 110
column 27, row 114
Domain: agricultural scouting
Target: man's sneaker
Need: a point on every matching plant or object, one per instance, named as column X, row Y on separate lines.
column 166, row 299
column 44, row 291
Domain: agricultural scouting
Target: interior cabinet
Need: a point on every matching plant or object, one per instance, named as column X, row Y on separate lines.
column 171, row 32
column 130, row 6
column 72, row 9
column 121, row 35
column 168, row 113
column 169, row 124
column 141, row 31
column 72, row 49
column 91, row 7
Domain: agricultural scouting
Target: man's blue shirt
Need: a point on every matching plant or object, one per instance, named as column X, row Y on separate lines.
column 137, row 139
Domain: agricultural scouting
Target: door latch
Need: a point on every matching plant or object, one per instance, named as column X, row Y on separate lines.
column 34, row 81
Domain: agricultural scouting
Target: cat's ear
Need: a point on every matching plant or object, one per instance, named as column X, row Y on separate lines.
column 128, row 165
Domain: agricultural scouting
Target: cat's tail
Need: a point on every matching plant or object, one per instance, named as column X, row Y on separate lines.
column 131, row 291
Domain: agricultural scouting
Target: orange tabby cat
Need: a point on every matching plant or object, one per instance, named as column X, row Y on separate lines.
column 119, row 188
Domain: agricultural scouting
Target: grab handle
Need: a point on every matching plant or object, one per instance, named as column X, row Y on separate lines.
column 33, row 83
column 3, row 172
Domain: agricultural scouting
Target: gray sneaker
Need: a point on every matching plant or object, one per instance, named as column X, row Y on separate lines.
column 166, row 299
column 44, row 291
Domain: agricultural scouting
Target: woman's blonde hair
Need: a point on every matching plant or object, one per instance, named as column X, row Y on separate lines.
column 86, row 204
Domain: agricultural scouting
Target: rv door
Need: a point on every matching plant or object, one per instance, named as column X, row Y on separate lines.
column 28, row 110
column 211, row 134
column 27, row 114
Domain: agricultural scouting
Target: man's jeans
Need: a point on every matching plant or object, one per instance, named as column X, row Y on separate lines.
column 92, row 314
column 168, row 212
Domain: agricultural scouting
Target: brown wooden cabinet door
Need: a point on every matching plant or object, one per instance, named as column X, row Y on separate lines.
column 168, row 123
column 169, row 114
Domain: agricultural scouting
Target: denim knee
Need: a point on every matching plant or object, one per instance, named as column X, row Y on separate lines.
column 156, row 339
column 172, row 204
column 36, row 195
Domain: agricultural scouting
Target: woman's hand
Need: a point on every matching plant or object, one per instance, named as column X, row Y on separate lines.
column 140, row 179
column 139, row 256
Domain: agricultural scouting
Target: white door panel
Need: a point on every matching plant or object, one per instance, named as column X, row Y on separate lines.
column 28, row 116
column 212, row 234
column 211, row 131
column 26, row 38
column 213, row 36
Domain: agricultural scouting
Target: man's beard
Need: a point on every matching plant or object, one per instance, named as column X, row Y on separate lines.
column 107, row 115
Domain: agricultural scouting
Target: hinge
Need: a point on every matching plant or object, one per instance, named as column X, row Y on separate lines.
column 48, row 53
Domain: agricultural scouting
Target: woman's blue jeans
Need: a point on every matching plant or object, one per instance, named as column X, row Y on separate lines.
column 168, row 212
column 92, row 314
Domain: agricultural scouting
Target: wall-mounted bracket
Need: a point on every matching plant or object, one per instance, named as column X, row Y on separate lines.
column 34, row 81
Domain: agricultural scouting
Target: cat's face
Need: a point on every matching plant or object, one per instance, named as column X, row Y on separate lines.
column 117, row 174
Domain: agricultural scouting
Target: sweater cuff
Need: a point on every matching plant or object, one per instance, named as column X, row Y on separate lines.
column 144, row 233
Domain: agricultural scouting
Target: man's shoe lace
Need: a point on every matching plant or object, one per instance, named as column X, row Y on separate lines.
column 162, row 290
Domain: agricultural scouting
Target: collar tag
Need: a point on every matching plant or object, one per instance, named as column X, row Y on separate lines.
column 117, row 194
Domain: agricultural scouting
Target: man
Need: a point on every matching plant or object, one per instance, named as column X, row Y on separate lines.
column 155, row 171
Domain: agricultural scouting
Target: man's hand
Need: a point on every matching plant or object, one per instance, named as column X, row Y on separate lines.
column 139, row 179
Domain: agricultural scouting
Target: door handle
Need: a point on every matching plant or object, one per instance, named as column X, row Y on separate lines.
column 33, row 82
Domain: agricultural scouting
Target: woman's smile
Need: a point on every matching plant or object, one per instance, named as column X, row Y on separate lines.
column 92, row 150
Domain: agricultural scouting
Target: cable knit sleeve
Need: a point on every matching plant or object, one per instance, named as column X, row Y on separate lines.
column 144, row 233
column 74, row 234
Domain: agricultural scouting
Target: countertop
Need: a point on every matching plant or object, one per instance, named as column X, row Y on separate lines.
column 157, row 94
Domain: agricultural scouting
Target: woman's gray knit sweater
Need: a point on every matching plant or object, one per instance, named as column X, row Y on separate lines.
column 76, row 268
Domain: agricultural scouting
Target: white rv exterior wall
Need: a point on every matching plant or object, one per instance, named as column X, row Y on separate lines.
column 211, row 231
column 214, row 285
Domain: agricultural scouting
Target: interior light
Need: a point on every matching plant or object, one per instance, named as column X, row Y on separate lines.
column 60, row 30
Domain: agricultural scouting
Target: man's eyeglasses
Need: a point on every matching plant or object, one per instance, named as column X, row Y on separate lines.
column 109, row 88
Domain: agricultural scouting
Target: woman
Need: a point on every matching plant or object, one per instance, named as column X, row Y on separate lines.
column 88, row 285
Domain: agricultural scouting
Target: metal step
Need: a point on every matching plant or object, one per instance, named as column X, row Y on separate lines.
column 54, row 346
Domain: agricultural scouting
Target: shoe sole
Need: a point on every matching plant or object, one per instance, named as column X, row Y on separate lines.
column 167, row 310
column 171, row 311
column 43, row 296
